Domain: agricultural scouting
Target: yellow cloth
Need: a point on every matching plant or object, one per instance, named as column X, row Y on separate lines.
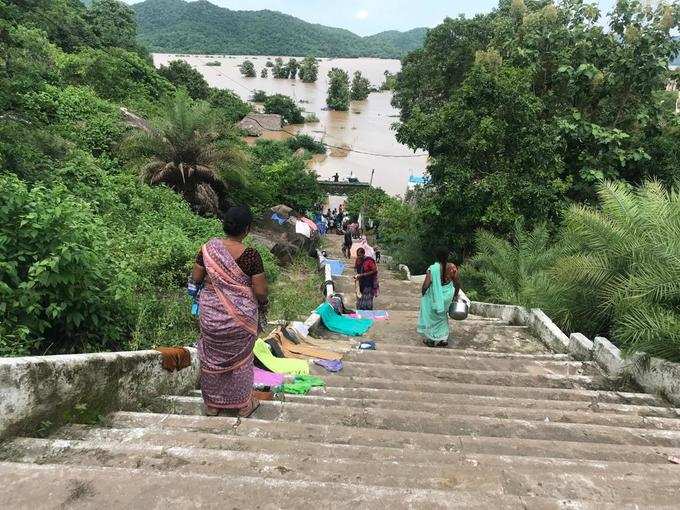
column 279, row 365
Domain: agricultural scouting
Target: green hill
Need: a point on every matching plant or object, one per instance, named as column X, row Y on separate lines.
column 176, row 26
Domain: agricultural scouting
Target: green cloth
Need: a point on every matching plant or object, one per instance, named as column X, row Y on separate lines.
column 341, row 324
column 279, row 365
column 433, row 320
column 301, row 385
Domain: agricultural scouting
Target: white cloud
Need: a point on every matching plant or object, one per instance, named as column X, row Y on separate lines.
column 362, row 14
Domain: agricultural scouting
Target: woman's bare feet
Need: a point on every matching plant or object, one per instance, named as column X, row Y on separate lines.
column 248, row 410
column 211, row 411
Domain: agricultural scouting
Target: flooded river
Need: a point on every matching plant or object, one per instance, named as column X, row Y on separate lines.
column 366, row 128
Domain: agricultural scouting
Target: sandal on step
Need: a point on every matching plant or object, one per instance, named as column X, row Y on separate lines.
column 247, row 411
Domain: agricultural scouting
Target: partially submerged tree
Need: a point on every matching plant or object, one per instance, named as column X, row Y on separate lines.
column 293, row 67
column 280, row 70
column 338, row 90
column 361, row 87
column 284, row 106
column 309, row 70
column 247, row 69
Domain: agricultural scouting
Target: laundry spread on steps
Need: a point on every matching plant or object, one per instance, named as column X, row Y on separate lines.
column 341, row 324
column 302, row 385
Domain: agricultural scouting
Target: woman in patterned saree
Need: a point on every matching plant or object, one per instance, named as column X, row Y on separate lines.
column 232, row 305
column 367, row 276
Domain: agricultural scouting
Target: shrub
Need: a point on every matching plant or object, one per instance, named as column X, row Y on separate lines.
column 306, row 142
column 284, row 106
column 60, row 287
column 259, row 96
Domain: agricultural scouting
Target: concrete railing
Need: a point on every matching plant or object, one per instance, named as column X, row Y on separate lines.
column 40, row 389
column 654, row 375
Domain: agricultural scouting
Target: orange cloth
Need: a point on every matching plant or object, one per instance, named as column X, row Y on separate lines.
column 175, row 358
column 303, row 350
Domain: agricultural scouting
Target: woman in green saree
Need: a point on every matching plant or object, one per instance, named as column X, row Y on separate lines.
column 440, row 288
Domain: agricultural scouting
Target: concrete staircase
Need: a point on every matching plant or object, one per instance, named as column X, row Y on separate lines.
column 494, row 421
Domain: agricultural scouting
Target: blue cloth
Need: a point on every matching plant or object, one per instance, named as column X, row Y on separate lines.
column 341, row 324
column 278, row 219
column 337, row 266
column 330, row 365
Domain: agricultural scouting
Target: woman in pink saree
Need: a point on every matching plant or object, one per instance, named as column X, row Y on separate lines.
column 232, row 304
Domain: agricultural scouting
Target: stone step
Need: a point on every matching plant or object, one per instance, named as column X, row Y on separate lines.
column 425, row 374
column 584, row 415
column 546, row 479
column 418, row 421
column 466, row 388
column 388, row 348
column 472, row 362
column 220, row 431
column 55, row 486
column 492, row 401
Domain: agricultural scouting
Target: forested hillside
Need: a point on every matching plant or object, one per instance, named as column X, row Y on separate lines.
column 176, row 26
column 100, row 221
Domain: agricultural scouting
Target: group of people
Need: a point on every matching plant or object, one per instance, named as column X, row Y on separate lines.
column 228, row 280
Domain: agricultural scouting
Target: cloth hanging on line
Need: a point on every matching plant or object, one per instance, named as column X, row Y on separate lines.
column 340, row 324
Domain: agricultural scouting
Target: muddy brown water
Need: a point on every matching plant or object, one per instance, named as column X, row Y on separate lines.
column 365, row 128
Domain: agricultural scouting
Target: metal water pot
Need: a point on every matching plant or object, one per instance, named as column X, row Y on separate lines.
column 459, row 309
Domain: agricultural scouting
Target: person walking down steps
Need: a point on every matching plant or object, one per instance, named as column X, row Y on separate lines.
column 440, row 288
column 232, row 311
column 367, row 276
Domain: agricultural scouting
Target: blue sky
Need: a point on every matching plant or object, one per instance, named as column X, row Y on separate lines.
column 366, row 17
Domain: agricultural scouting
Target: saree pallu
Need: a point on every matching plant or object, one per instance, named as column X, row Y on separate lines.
column 433, row 320
column 229, row 318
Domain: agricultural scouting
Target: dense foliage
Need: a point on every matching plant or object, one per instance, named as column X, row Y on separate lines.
column 309, row 70
column 284, row 106
column 528, row 108
column 182, row 74
column 247, row 69
column 176, row 26
column 338, row 90
column 361, row 87
column 91, row 257
column 613, row 270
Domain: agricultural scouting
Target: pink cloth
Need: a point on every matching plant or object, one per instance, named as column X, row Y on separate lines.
column 264, row 378
column 311, row 224
column 361, row 243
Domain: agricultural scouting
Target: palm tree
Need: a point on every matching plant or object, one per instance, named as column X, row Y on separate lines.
column 624, row 275
column 184, row 150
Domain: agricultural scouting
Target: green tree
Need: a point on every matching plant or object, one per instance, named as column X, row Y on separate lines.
column 369, row 201
column 284, row 106
column 293, row 67
column 181, row 74
column 309, row 70
column 361, row 87
column 247, row 69
column 338, row 90
column 264, row 73
column 532, row 106
column 280, row 70
column 228, row 105
column 181, row 150
column 390, row 82
column 259, row 96
column 113, row 23
column 287, row 181
column 306, row 142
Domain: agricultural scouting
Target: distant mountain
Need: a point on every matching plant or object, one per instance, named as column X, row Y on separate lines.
column 176, row 26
